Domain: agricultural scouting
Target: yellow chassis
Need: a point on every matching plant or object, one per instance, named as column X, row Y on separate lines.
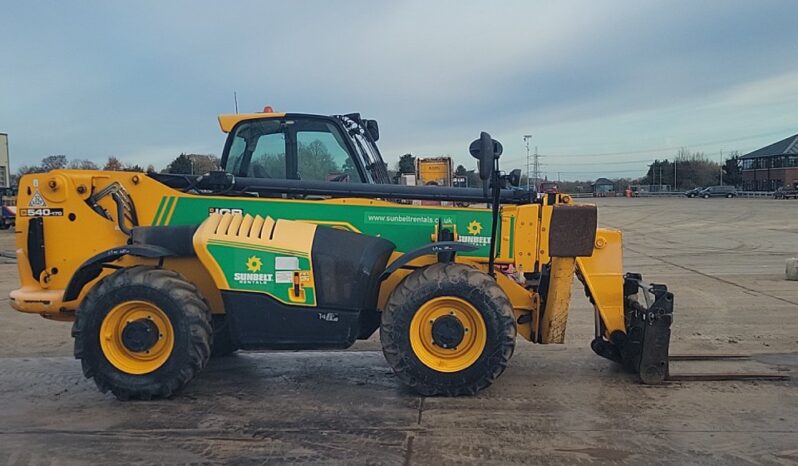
column 79, row 233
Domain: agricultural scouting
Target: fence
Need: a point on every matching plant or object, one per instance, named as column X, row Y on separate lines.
column 746, row 194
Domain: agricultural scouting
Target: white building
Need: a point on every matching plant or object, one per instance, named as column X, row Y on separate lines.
column 5, row 169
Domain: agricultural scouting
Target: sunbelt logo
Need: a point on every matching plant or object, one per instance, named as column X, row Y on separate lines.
column 253, row 275
column 473, row 237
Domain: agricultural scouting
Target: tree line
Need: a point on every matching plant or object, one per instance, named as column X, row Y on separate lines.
column 694, row 169
column 691, row 169
column 183, row 163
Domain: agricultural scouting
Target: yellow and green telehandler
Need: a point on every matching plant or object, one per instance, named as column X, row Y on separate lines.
column 302, row 242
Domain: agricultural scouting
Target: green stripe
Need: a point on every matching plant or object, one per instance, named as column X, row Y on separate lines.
column 257, row 247
column 158, row 212
column 512, row 236
column 166, row 210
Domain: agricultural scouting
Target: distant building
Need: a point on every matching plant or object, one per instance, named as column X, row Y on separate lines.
column 5, row 170
column 603, row 187
column 771, row 167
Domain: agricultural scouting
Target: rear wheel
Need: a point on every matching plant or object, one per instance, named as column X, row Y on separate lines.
column 448, row 329
column 730, row 195
column 706, row 196
column 142, row 333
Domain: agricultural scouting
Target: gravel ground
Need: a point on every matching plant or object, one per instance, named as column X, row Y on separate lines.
column 723, row 258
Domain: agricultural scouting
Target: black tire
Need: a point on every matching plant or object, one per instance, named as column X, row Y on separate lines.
column 706, row 196
column 466, row 283
column 730, row 195
column 178, row 299
column 223, row 343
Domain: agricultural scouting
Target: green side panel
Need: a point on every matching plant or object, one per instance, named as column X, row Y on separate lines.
column 407, row 228
column 263, row 271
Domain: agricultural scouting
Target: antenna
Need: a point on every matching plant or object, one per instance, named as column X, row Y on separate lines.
column 235, row 99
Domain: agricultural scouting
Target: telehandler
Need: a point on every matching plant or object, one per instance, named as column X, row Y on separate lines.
column 302, row 242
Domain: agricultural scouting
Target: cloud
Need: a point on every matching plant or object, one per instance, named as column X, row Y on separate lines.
column 145, row 80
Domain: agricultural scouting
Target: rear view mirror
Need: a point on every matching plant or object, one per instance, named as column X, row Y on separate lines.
column 486, row 150
column 374, row 129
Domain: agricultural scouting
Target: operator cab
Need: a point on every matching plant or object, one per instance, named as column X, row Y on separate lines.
column 294, row 146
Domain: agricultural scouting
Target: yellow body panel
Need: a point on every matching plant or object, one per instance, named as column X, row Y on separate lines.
column 227, row 122
column 256, row 233
column 525, row 304
column 81, row 233
column 526, row 237
column 602, row 273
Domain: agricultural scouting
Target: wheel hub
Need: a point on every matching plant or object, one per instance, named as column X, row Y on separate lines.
column 447, row 331
column 140, row 335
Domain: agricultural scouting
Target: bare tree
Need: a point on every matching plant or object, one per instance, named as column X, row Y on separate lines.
column 113, row 164
column 82, row 164
column 53, row 162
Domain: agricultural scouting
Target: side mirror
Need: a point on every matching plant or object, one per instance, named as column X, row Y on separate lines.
column 486, row 150
column 374, row 129
column 514, row 178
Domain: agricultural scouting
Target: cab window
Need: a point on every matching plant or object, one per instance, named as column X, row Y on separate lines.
column 268, row 157
column 311, row 149
column 258, row 150
column 322, row 154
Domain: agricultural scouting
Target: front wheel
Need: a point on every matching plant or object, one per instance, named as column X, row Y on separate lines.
column 730, row 196
column 142, row 333
column 448, row 329
column 706, row 196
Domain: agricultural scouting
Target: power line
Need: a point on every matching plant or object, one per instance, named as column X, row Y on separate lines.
column 663, row 149
column 622, row 162
column 611, row 163
column 602, row 171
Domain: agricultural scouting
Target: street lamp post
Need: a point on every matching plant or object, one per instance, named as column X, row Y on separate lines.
column 527, row 138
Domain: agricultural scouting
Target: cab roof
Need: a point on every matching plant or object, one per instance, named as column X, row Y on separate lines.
column 227, row 122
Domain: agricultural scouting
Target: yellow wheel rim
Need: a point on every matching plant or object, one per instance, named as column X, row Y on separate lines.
column 122, row 357
column 448, row 359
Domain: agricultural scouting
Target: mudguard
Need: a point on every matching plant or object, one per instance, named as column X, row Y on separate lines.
column 92, row 268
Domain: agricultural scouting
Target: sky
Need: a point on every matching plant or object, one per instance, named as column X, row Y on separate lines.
column 603, row 87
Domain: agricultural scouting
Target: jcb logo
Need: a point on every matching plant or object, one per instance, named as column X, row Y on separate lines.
column 225, row 210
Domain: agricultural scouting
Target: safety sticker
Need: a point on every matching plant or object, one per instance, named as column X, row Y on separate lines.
column 286, row 263
column 283, row 276
column 37, row 200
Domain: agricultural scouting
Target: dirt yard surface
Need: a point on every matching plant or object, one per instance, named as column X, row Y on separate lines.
column 724, row 260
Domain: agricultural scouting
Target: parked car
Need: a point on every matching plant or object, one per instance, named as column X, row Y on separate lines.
column 693, row 192
column 718, row 191
column 786, row 193
column 8, row 217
